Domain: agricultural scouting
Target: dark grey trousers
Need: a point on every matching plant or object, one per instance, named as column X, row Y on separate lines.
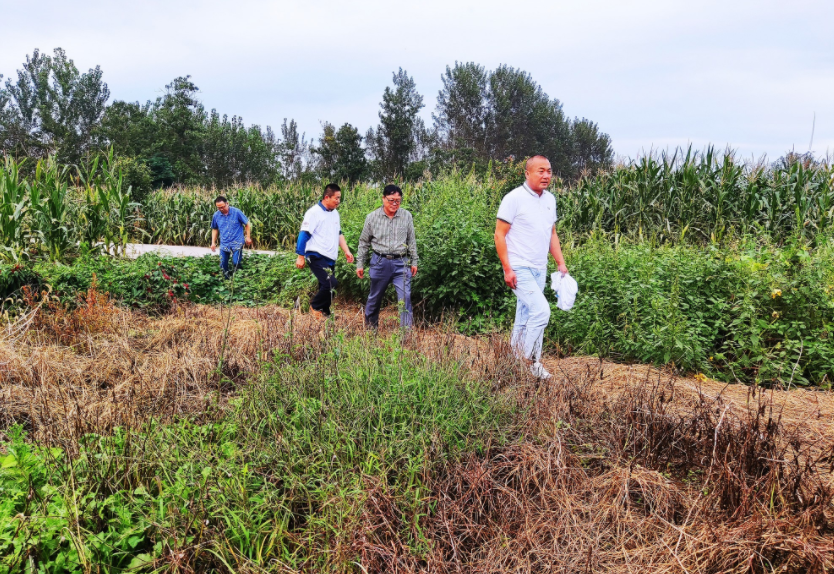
column 383, row 272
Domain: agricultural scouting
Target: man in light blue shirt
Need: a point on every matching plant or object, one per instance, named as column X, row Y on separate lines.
column 233, row 229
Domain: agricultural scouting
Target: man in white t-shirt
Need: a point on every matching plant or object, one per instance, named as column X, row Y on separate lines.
column 524, row 234
column 319, row 241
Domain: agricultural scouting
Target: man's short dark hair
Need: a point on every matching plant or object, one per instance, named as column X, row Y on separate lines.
column 220, row 198
column 530, row 160
column 391, row 190
column 331, row 189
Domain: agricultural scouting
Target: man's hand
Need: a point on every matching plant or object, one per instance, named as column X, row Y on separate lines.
column 213, row 247
column 360, row 273
column 299, row 262
column 349, row 256
column 563, row 269
column 413, row 270
column 248, row 242
column 510, row 279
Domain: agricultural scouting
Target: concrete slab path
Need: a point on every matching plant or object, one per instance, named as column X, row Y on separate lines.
column 134, row 250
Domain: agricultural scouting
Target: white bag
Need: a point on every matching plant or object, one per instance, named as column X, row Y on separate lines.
column 566, row 290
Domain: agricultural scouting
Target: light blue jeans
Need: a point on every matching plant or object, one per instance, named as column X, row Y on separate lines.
column 532, row 313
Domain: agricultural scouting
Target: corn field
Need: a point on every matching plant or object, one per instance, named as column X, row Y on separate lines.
column 687, row 196
column 702, row 197
column 61, row 211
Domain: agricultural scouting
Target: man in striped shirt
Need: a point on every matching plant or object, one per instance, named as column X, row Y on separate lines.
column 389, row 234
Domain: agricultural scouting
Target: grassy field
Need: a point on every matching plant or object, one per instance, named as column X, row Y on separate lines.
column 157, row 418
column 165, row 443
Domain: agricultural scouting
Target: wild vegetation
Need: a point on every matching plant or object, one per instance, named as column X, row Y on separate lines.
column 166, row 443
column 707, row 265
column 155, row 417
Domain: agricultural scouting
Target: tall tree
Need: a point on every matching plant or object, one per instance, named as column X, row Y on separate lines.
column 504, row 113
column 129, row 128
column 351, row 164
column 341, row 157
column 293, row 149
column 235, row 154
column 524, row 121
column 592, row 149
column 462, row 112
column 327, row 150
column 52, row 108
column 181, row 121
column 397, row 140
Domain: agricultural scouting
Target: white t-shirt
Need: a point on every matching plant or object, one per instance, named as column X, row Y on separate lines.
column 531, row 217
column 324, row 227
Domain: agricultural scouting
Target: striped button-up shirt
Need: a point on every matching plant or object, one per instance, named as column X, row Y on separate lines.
column 387, row 235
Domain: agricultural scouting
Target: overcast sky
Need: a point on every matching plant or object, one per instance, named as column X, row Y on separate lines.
column 652, row 74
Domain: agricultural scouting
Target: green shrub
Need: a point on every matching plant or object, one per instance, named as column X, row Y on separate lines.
column 137, row 177
column 756, row 313
column 152, row 282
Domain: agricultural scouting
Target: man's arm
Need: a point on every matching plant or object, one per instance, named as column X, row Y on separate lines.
column 247, row 230
column 364, row 247
column 214, row 234
column 556, row 252
column 301, row 248
column 501, row 230
column 343, row 244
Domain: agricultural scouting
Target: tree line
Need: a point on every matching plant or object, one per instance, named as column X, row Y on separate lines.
column 482, row 116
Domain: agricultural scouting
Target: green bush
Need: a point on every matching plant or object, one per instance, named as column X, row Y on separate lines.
column 152, row 282
column 137, row 176
column 756, row 313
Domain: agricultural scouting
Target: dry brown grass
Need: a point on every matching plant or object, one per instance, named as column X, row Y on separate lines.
column 66, row 375
column 616, row 468
column 626, row 476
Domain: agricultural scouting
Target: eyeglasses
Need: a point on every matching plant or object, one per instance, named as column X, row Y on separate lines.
column 393, row 201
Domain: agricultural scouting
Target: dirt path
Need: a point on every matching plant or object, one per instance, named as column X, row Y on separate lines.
column 810, row 410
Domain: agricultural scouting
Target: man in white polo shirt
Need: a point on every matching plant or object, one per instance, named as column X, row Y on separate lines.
column 524, row 234
column 319, row 241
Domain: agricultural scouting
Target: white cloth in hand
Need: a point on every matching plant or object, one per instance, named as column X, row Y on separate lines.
column 566, row 290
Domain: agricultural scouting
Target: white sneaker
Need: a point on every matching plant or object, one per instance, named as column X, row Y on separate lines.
column 539, row 371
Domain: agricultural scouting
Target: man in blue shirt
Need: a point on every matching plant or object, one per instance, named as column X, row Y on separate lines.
column 318, row 242
column 233, row 228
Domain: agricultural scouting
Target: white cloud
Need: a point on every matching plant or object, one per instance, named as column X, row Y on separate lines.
column 649, row 72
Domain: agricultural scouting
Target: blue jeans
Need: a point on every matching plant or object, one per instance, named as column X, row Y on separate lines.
column 225, row 253
column 383, row 272
column 532, row 313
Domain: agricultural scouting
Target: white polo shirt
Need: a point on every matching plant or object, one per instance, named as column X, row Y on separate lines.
column 324, row 227
column 531, row 217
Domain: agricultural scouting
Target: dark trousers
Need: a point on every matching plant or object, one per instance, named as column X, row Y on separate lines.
column 383, row 272
column 323, row 269
column 227, row 253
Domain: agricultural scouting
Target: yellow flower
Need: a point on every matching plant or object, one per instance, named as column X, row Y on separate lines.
column 710, row 358
column 701, row 377
column 775, row 293
column 775, row 314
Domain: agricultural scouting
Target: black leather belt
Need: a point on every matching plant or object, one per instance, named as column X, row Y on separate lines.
column 389, row 255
